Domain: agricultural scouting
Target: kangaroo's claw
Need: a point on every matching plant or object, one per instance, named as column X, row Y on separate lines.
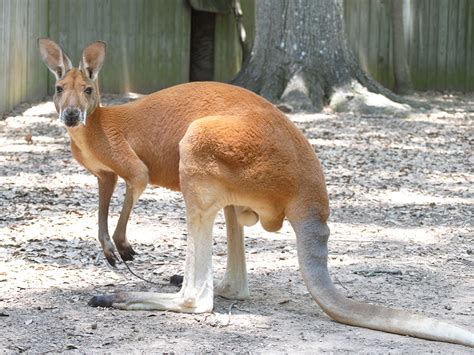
column 108, row 249
column 126, row 253
column 111, row 259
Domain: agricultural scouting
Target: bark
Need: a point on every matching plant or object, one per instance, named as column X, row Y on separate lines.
column 301, row 56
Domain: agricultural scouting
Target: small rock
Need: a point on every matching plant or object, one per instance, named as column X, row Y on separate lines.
column 94, row 326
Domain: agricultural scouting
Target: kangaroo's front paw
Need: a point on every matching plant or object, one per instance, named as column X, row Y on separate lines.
column 126, row 252
column 109, row 252
column 111, row 257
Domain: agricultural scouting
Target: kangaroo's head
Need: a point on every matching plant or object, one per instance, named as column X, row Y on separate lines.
column 76, row 93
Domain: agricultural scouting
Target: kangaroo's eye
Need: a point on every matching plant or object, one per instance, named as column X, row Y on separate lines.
column 59, row 89
column 88, row 90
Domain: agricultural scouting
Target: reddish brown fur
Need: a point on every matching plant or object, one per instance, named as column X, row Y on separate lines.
column 233, row 143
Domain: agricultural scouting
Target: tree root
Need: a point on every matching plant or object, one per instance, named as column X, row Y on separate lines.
column 356, row 98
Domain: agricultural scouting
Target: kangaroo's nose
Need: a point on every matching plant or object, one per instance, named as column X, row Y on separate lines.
column 71, row 116
column 72, row 112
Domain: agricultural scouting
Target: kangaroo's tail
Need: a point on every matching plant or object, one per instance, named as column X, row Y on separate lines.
column 312, row 236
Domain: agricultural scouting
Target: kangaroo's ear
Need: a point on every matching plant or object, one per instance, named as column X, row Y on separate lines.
column 54, row 57
column 92, row 59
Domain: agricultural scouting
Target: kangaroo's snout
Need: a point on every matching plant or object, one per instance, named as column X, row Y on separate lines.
column 71, row 116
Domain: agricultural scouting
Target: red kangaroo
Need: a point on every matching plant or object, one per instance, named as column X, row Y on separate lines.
column 222, row 147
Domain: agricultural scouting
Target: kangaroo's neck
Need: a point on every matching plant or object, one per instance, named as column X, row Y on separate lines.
column 94, row 115
column 80, row 133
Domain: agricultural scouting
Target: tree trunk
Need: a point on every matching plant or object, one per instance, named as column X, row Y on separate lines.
column 301, row 57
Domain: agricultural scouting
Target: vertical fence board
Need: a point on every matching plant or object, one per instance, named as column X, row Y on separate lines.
column 432, row 39
column 13, row 64
column 442, row 34
column 460, row 57
column 452, row 38
column 36, row 72
column 364, row 33
column 350, row 25
column 420, row 50
column 469, row 76
column 373, row 24
column 386, row 45
column 4, row 24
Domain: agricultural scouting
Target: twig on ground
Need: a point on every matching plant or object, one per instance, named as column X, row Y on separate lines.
column 371, row 273
column 138, row 276
column 229, row 314
column 340, row 283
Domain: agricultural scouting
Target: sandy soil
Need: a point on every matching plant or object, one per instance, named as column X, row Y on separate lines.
column 401, row 194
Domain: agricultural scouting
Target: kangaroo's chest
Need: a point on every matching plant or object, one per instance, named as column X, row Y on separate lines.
column 85, row 154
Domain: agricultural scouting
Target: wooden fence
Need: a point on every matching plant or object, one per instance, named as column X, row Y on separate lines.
column 148, row 43
column 439, row 34
column 22, row 74
column 439, row 38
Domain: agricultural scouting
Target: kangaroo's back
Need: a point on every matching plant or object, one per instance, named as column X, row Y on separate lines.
column 155, row 124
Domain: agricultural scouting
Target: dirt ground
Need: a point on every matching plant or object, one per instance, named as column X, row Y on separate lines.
column 401, row 192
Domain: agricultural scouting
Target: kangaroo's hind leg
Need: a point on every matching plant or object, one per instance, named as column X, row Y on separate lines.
column 234, row 285
column 197, row 292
